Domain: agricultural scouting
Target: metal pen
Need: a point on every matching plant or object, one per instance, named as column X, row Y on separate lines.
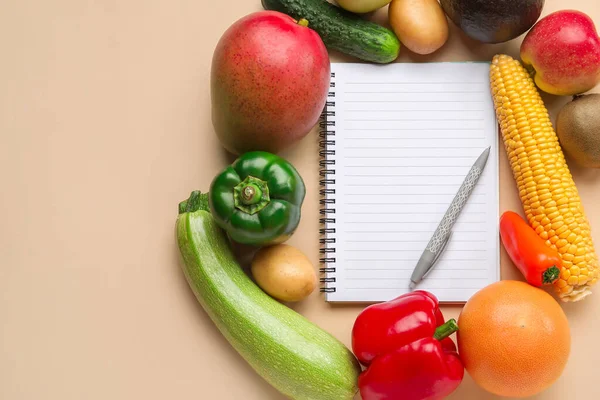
column 442, row 234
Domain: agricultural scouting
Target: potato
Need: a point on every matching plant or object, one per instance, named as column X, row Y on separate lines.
column 421, row 25
column 284, row 272
column 362, row 6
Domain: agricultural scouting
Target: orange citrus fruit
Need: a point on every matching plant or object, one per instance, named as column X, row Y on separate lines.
column 514, row 339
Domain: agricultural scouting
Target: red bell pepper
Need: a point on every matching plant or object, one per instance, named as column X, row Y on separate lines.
column 405, row 345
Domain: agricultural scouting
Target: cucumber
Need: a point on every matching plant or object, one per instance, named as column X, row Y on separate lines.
column 295, row 356
column 341, row 30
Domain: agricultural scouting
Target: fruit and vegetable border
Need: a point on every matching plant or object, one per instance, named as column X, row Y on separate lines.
column 269, row 83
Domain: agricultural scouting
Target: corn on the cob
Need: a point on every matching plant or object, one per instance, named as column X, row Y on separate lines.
column 549, row 196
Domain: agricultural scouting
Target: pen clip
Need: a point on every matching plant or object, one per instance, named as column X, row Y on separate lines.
column 439, row 254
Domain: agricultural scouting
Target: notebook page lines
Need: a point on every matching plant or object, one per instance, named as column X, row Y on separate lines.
column 404, row 148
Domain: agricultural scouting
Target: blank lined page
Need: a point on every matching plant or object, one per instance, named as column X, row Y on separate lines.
column 406, row 136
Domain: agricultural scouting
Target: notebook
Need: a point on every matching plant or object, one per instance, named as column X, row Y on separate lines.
column 397, row 142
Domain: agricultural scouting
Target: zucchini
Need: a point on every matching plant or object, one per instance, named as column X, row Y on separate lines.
column 341, row 30
column 295, row 356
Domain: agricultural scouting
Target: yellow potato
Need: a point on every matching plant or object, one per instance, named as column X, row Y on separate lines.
column 421, row 25
column 362, row 6
column 284, row 272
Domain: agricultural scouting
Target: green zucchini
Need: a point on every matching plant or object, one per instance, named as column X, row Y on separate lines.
column 341, row 30
column 295, row 356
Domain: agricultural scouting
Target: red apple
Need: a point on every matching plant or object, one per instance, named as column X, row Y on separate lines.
column 269, row 82
column 564, row 50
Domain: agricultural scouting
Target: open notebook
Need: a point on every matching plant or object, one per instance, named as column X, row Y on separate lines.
column 398, row 141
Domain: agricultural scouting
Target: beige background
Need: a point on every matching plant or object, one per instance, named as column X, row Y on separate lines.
column 104, row 128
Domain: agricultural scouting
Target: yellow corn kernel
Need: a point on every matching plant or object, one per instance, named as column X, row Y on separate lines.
column 558, row 224
column 549, row 196
column 573, row 280
column 574, row 270
column 561, row 243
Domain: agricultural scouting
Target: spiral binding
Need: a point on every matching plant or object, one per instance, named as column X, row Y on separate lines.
column 327, row 183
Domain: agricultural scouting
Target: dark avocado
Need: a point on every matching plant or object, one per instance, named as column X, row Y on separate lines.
column 493, row 21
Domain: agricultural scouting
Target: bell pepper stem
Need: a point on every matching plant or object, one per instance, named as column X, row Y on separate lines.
column 445, row 330
column 196, row 201
column 250, row 194
column 550, row 275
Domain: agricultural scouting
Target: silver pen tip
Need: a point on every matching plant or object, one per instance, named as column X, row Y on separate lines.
column 412, row 285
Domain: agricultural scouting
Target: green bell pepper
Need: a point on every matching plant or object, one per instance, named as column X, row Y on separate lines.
column 257, row 199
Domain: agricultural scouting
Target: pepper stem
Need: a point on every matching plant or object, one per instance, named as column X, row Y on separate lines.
column 550, row 275
column 196, row 201
column 250, row 194
column 445, row 330
column 303, row 22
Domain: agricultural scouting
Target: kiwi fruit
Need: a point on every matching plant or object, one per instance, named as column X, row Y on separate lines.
column 578, row 129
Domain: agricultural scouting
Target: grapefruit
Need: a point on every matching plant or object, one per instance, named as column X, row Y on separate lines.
column 514, row 339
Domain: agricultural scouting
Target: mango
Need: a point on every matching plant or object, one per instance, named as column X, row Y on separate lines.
column 269, row 82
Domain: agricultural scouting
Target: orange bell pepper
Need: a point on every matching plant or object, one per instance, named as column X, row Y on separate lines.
column 540, row 264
